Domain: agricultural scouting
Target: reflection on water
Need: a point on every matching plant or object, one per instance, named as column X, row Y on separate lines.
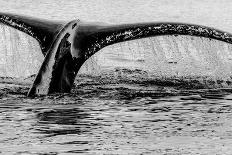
column 116, row 117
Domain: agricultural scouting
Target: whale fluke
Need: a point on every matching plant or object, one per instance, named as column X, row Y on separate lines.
column 68, row 46
column 43, row 31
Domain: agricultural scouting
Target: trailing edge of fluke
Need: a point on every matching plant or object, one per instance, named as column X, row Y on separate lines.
column 66, row 46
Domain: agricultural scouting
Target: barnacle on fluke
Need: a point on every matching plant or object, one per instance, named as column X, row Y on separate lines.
column 67, row 46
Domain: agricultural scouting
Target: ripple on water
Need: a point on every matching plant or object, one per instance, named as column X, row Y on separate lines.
column 116, row 118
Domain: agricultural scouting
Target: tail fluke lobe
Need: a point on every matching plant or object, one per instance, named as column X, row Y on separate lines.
column 42, row 30
column 101, row 36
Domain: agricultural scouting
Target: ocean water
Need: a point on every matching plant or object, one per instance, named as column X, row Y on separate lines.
column 131, row 98
column 115, row 115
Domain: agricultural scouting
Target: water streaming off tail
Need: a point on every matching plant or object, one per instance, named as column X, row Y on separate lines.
column 182, row 57
column 20, row 54
column 162, row 57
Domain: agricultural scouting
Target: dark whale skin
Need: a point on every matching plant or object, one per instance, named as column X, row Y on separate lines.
column 68, row 46
column 42, row 30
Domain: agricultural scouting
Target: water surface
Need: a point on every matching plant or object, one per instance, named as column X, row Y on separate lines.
column 105, row 115
column 115, row 117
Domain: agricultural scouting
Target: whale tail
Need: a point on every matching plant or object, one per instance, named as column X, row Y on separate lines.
column 42, row 30
column 68, row 46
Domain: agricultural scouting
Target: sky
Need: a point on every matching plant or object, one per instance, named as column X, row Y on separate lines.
column 212, row 13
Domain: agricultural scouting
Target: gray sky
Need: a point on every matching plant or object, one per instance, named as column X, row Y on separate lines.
column 214, row 13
